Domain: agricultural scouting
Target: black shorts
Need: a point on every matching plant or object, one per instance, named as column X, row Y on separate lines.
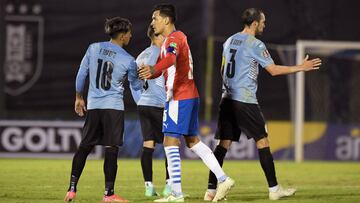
column 236, row 117
column 151, row 123
column 103, row 127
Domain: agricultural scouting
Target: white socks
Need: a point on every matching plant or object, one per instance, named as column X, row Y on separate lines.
column 174, row 164
column 148, row 184
column 174, row 168
column 210, row 160
column 274, row 189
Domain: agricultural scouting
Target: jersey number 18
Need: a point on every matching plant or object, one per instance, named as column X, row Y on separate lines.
column 104, row 80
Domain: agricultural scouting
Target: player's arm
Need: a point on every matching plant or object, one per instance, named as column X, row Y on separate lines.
column 172, row 47
column 135, row 82
column 83, row 72
column 151, row 62
column 136, row 94
column 261, row 55
column 306, row 65
column 149, row 72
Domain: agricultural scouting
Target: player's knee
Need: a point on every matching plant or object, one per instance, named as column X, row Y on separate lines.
column 225, row 144
column 191, row 141
column 149, row 144
column 171, row 141
column 262, row 143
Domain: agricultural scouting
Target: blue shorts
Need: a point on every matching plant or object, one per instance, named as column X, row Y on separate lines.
column 181, row 118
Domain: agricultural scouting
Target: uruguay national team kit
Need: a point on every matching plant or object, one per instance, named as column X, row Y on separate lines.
column 152, row 99
column 107, row 65
column 242, row 54
column 153, row 93
column 239, row 109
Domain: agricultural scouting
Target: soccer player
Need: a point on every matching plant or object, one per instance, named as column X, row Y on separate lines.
column 182, row 103
column 239, row 109
column 150, row 109
column 107, row 65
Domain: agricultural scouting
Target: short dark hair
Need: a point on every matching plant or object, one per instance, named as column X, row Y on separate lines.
column 167, row 10
column 117, row 25
column 250, row 15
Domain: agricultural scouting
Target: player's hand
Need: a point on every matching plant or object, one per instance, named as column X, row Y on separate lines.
column 80, row 107
column 146, row 71
column 312, row 64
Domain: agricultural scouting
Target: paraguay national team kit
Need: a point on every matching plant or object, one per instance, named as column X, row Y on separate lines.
column 182, row 102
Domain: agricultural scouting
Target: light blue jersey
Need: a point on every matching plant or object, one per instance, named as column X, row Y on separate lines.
column 153, row 93
column 107, row 65
column 242, row 54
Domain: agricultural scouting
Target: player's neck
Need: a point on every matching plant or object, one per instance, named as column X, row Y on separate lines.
column 168, row 30
column 155, row 44
column 248, row 31
column 117, row 42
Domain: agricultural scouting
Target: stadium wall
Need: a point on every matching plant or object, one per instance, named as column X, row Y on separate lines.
column 59, row 139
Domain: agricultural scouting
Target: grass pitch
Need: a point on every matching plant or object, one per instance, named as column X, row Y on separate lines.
column 39, row 180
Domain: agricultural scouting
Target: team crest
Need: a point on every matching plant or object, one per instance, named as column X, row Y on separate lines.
column 173, row 44
column 23, row 50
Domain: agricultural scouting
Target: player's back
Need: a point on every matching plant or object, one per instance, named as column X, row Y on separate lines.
column 179, row 78
column 242, row 54
column 153, row 93
column 108, row 67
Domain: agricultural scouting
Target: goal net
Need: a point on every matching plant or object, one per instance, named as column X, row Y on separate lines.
column 329, row 99
column 324, row 104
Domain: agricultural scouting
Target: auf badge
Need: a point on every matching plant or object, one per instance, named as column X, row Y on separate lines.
column 24, row 52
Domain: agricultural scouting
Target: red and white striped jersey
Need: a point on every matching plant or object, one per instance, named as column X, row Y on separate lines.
column 179, row 78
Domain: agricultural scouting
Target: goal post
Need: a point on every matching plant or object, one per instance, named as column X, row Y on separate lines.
column 305, row 47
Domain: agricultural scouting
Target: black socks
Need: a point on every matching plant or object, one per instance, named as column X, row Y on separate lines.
column 146, row 163
column 267, row 164
column 219, row 153
column 110, row 169
column 78, row 165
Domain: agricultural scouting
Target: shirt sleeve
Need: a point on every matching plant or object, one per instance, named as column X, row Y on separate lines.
column 83, row 72
column 134, row 81
column 165, row 63
column 172, row 49
column 136, row 94
column 262, row 55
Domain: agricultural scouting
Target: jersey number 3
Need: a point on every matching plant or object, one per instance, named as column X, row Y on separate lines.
column 230, row 68
column 104, row 80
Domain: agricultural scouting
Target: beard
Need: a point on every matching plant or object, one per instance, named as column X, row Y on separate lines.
column 258, row 32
